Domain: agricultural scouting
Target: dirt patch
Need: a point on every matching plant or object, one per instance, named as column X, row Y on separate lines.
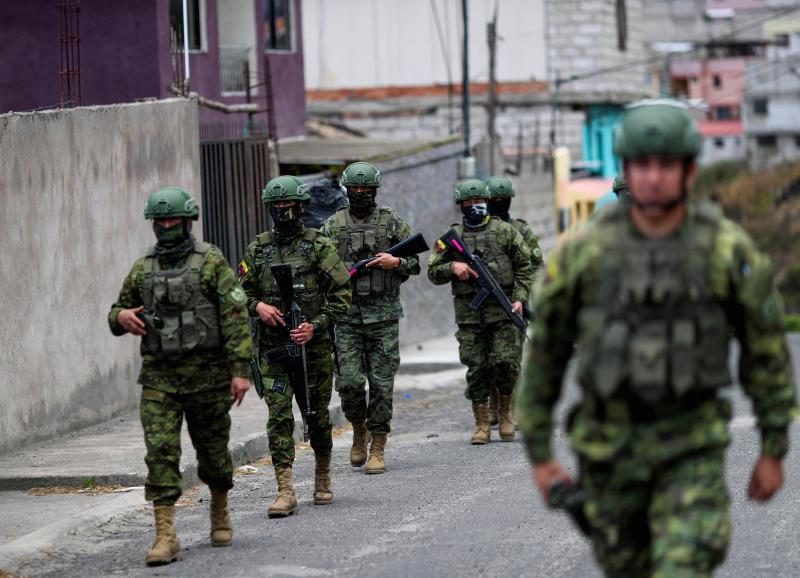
column 90, row 491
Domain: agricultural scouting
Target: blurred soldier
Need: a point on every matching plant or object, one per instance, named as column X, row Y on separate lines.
column 367, row 338
column 322, row 288
column 488, row 342
column 618, row 194
column 650, row 294
column 501, row 191
column 183, row 299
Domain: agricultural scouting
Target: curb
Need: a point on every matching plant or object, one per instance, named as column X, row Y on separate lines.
column 250, row 449
column 417, row 368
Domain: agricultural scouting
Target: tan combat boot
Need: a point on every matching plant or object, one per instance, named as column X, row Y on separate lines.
column 483, row 431
column 358, row 453
column 507, row 428
column 322, row 480
column 376, row 465
column 493, row 405
column 221, row 529
column 286, row 502
column 166, row 548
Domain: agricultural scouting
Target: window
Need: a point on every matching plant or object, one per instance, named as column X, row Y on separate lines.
column 797, row 141
column 725, row 113
column 719, row 143
column 760, row 106
column 767, row 141
column 278, row 25
column 622, row 26
column 717, row 81
column 195, row 9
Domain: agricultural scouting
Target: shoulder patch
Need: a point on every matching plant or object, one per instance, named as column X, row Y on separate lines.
column 237, row 294
column 243, row 268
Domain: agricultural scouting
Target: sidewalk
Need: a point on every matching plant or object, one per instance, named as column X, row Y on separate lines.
column 112, row 453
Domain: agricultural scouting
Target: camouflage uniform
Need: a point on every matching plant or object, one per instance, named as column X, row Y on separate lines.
column 488, row 343
column 322, row 288
column 650, row 430
column 367, row 338
column 195, row 384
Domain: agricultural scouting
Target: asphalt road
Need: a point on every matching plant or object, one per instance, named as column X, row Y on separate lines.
column 444, row 508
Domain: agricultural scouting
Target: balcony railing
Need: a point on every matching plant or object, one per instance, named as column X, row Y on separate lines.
column 234, row 68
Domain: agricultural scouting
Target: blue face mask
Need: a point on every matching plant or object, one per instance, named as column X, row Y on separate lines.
column 475, row 215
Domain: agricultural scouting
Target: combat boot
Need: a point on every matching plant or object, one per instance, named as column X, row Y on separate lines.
column 483, row 431
column 221, row 529
column 358, row 453
column 493, row 405
column 507, row 428
column 322, row 480
column 166, row 548
column 286, row 502
column 376, row 465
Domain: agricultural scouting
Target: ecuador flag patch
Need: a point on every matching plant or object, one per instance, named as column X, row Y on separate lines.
column 243, row 269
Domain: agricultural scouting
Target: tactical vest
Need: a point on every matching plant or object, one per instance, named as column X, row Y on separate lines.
column 483, row 243
column 654, row 324
column 361, row 240
column 179, row 317
column 307, row 290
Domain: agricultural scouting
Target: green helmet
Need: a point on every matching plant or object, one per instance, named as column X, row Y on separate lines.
column 500, row 187
column 285, row 188
column 470, row 189
column 171, row 202
column 361, row 173
column 620, row 188
column 658, row 127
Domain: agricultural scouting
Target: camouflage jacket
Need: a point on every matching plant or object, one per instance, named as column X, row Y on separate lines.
column 386, row 306
column 202, row 370
column 537, row 258
column 740, row 286
column 510, row 244
column 322, row 285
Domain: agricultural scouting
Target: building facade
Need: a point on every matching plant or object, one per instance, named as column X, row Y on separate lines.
column 131, row 50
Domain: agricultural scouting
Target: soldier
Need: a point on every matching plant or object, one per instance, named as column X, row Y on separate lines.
column 367, row 338
column 183, row 299
column 322, row 287
column 618, row 194
column 649, row 294
column 488, row 342
column 501, row 191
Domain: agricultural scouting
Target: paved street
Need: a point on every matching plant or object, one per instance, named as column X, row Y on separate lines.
column 444, row 508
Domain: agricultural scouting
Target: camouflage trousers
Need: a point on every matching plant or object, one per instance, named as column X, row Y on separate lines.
column 209, row 428
column 492, row 354
column 278, row 393
column 659, row 520
column 371, row 353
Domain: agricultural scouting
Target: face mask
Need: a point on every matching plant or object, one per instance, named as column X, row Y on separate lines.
column 499, row 208
column 361, row 202
column 171, row 237
column 475, row 215
column 287, row 220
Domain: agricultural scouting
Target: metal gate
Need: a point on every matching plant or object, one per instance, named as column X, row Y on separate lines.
column 234, row 172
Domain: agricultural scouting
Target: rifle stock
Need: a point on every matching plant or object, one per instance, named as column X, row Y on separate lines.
column 487, row 284
column 414, row 245
column 290, row 353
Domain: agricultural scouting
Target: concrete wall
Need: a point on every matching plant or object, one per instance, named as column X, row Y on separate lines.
column 360, row 43
column 72, row 187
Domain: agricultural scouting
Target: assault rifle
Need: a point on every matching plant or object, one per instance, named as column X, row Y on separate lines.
column 487, row 284
column 255, row 369
column 290, row 353
column 414, row 245
column 571, row 500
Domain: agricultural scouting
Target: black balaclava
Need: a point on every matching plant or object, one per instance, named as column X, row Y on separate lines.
column 175, row 242
column 475, row 215
column 499, row 208
column 288, row 223
column 362, row 203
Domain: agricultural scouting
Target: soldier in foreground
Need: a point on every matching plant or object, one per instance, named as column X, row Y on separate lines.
column 649, row 294
column 488, row 342
column 322, row 289
column 184, row 301
column 368, row 337
column 501, row 191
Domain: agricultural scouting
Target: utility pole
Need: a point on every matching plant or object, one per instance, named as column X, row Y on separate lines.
column 491, row 38
column 465, row 79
